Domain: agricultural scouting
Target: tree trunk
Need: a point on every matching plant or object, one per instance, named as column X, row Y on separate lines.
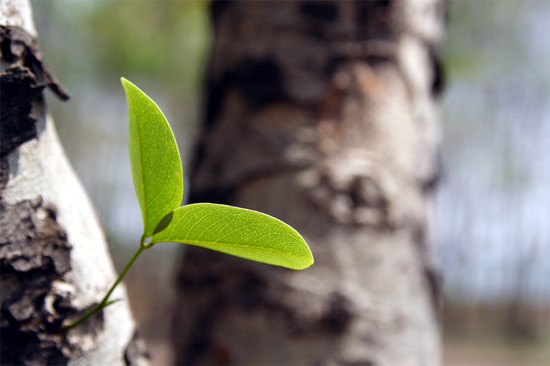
column 54, row 258
column 323, row 115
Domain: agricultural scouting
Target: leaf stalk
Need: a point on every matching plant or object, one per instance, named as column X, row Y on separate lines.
column 105, row 301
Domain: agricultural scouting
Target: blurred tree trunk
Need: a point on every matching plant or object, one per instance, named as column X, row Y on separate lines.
column 53, row 254
column 321, row 114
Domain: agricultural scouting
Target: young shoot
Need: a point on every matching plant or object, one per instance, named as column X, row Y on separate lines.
column 158, row 182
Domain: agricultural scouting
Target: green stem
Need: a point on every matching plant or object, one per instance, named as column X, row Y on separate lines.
column 105, row 299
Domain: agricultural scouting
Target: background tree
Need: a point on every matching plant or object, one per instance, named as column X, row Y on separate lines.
column 323, row 114
column 54, row 257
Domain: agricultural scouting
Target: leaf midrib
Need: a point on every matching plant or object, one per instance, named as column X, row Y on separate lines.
column 206, row 242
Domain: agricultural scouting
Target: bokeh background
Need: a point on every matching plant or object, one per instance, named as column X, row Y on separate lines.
column 491, row 217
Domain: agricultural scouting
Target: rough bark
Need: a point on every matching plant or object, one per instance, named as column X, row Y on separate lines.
column 322, row 114
column 54, row 259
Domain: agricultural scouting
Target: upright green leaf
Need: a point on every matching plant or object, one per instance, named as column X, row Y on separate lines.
column 243, row 233
column 154, row 159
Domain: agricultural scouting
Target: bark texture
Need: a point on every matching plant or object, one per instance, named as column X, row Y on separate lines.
column 321, row 113
column 54, row 260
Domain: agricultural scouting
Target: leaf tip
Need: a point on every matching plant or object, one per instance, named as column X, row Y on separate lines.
column 309, row 263
column 126, row 83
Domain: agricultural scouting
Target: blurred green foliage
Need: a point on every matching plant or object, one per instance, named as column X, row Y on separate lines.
column 161, row 38
column 148, row 40
column 481, row 33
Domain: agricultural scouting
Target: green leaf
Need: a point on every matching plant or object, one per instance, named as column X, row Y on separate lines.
column 154, row 159
column 243, row 233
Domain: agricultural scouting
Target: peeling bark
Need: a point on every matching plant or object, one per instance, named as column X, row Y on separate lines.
column 34, row 255
column 54, row 261
column 321, row 113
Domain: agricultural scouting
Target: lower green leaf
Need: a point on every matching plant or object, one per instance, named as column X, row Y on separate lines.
column 236, row 231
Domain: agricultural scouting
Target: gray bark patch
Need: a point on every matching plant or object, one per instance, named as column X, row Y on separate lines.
column 352, row 195
column 34, row 255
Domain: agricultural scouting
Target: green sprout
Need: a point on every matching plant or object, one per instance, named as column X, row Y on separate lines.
column 158, row 181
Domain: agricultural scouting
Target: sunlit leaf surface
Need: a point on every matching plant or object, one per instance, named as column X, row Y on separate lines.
column 154, row 158
column 243, row 233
